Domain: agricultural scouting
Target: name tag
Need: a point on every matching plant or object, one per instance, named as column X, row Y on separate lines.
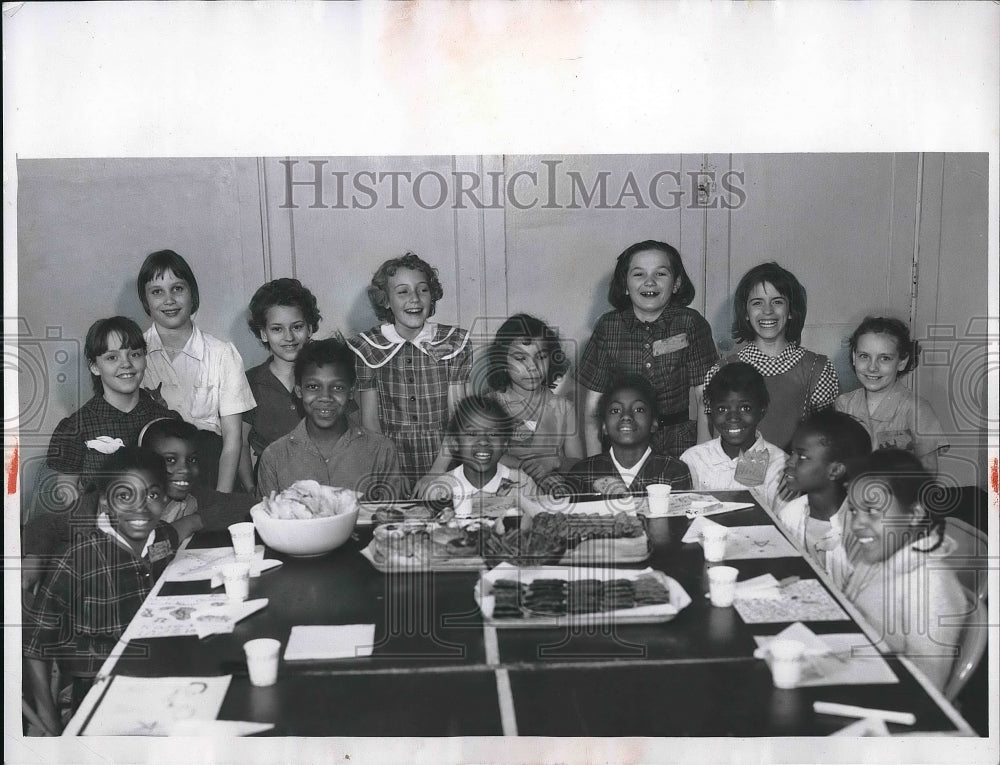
column 752, row 467
column 159, row 551
column 898, row 439
column 670, row 344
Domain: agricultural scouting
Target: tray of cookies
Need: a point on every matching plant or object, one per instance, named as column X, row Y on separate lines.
column 558, row 596
column 451, row 543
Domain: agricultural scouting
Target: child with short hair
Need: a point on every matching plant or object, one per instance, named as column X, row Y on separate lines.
column 651, row 333
column 411, row 371
column 893, row 415
column 325, row 446
column 198, row 375
column 190, row 507
column 96, row 588
column 283, row 315
column 629, row 421
column 769, row 312
column 739, row 458
column 915, row 606
column 478, row 435
column 823, row 447
column 81, row 443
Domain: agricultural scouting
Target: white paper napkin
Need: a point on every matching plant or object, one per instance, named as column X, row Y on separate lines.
column 222, row 621
column 760, row 587
column 337, row 641
column 697, row 528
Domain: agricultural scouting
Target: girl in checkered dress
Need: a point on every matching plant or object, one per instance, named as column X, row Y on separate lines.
column 769, row 311
column 654, row 334
column 411, row 371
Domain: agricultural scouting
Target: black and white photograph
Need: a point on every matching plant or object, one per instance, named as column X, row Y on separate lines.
column 412, row 439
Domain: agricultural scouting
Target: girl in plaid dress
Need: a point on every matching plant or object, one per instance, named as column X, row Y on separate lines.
column 651, row 333
column 412, row 372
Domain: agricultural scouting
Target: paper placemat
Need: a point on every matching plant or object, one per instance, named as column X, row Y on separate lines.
column 745, row 542
column 178, row 615
column 832, row 659
column 803, row 601
column 152, row 706
column 335, row 641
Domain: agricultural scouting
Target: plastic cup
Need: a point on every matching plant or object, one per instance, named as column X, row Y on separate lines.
column 722, row 585
column 659, row 498
column 713, row 541
column 786, row 662
column 236, row 577
column 244, row 540
column 262, row 660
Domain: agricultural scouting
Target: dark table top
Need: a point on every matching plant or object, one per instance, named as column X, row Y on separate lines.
column 436, row 671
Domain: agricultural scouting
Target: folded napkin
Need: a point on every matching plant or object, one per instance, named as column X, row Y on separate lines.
column 221, row 620
column 257, row 566
column 337, row 641
column 760, row 587
column 697, row 528
column 217, row 728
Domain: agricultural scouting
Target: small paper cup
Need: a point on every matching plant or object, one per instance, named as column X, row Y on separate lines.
column 786, row 662
column 236, row 577
column 262, row 660
column 659, row 498
column 722, row 585
column 244, row 540
column 713, row 541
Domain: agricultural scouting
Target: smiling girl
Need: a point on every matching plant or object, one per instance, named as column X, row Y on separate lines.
column 654, row 334
column 283, row 316
column 893, row 415
column 769, row 312
column 412, row 372
column 912, row 602
column 197, row 374
column 80, row 445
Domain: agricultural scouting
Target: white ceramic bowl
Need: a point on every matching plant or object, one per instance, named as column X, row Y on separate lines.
column 304, row 537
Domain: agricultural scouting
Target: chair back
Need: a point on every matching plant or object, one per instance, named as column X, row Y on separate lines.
column 975, row 634
column 969, row 557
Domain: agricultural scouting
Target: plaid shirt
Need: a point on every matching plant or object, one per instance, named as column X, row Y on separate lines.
column 673, row 353
column 89, row 599
column 412, row 379
column 68, row 449
column 658, row 468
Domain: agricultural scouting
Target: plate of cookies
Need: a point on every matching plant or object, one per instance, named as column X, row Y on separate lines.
column 558, row 596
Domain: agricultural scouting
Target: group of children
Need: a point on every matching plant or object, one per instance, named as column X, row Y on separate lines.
column 391, row 412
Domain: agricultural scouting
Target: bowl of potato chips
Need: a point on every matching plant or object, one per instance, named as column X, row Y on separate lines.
column 307, row 518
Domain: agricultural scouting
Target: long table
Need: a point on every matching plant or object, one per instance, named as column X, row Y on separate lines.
column 437, row 670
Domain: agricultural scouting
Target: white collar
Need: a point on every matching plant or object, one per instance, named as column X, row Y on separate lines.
column 104, row 524
column 194, row 347
column 425, row 335
column 502, row 474
column 629, row 474
column 724, row 458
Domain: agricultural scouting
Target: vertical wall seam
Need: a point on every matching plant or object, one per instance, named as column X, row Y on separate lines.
column 265, row 224
column 892, row 229
column 291, row 235
column 915, row 260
